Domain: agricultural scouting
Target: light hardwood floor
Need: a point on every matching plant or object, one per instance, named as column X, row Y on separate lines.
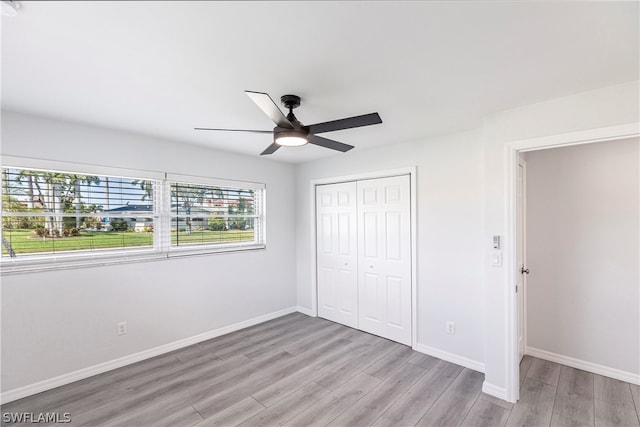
column 302, row 371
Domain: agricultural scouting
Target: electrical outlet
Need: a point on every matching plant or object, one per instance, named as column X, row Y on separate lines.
column 121, row 328
column 451, row 327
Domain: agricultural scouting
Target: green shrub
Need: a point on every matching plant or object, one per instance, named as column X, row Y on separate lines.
column 68, row 232
column 217, row 224
column 119, row 225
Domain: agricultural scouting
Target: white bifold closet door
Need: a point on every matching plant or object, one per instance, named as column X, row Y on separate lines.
column 364, row 255
column 337, row 253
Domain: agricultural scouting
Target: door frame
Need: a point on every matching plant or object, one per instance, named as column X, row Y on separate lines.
column 522, row 292
column 511, row 156
column 411, row 171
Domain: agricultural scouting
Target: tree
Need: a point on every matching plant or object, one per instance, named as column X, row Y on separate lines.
column 146, row 186
column 78, row 180
column 53, row 191
column 186, row 197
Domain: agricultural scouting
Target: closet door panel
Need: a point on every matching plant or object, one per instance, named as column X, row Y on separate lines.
column 337, row 253
column 384, row 262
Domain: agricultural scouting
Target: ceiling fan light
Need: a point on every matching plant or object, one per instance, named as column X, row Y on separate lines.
column 291, row 141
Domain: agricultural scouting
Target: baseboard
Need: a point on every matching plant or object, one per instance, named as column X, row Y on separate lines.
column 606, row 371
column 305, row 310
column 494, row 390
column 28, row 390
column 450, row 357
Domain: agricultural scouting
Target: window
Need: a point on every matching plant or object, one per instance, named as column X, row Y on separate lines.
column 49, row 216
column 205, row 214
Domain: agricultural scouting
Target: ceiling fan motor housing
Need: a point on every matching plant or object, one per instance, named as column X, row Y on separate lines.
column 298, row 131
column 290, row 101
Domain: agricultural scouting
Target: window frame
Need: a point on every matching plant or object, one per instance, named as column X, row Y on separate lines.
column 162, row 215
column 260, row 221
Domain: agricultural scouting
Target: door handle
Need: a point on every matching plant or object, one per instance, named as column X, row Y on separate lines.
column 524, row 270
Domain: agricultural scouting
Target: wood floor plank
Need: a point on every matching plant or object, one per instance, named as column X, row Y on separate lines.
column 233, row 415
column 574, row 408
column 309, row 342
column 222, row 399
column 366, row 410
column 226, row 383
column 312, row 372
column 169, row 415
column 340, row 376
column 486, row 414
column 415, row 402
column 187, row 417
column 575, row 382
column 181, row 389
column 423, row 360
column 264, row 338
column 276, row 344
column 525, row 364
column 544, row 371
column 148, row 383
column 575, row 395
column 319, row 336
column 535, row 406
column 611, row 415
column 389, row 363
column 284, row 410
column 333, row 405
column 250, row 332
column 613, row 391
column 635, row 393
column 62, row 397
column 275, row 329
column 188, row 372
column 560, row 421
column 455, row 402
column 502, row 403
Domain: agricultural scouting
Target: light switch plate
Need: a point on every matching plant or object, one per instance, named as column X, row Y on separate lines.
column 496, row 258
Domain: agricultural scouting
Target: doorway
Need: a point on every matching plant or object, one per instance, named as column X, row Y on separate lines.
column 514, row 236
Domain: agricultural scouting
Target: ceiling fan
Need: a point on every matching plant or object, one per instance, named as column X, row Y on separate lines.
column 290, row 132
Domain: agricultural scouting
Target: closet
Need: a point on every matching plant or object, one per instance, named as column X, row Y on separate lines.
column 363, row 238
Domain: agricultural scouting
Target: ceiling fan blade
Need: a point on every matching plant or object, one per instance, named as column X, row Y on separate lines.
column 237, row 130
column 266, row 104
column 328, row 143
column 348, row 123
column 270, row 149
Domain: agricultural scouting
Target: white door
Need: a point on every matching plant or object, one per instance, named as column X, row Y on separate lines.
column 384, row 257
column 337, row 259
column 520, row 255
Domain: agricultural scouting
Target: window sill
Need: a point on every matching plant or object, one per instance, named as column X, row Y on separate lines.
column 10, row 267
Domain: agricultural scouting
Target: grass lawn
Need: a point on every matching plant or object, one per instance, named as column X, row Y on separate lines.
column 26, row 241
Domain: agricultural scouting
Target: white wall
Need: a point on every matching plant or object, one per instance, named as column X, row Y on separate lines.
column 583, row 251
column 450, row 280
column 58, row 322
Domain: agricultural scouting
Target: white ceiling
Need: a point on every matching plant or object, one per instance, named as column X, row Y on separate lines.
column 428, row 68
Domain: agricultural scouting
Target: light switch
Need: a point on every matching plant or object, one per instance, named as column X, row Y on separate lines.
column 496, row 258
